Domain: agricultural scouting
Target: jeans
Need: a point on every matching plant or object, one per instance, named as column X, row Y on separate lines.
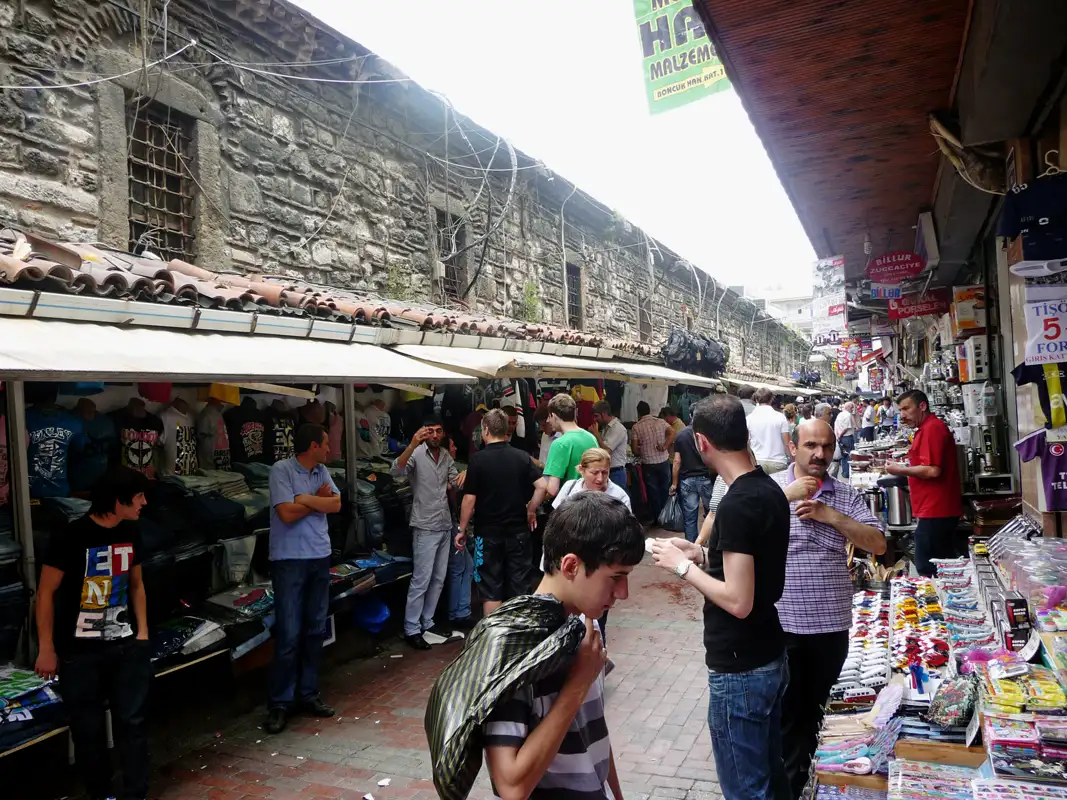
column 745, row 720
column 118, row 674
column 691, row 491
column 301, row 606
column 657, row 484
column 814, row 663
column 934, row 539
column 847, row 444
column 430, row 555
column 617, row 475
column 460, row 573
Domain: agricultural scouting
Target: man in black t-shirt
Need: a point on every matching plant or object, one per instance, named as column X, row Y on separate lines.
column 93, row 629
column 742, row 577
column 499, row 484
column 692, row 479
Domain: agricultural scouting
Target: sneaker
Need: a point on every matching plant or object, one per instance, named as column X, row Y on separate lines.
column 417, row 642
column 317, row 708
column 276, row 720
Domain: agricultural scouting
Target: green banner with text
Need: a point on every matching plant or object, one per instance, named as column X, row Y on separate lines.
column 680, row 61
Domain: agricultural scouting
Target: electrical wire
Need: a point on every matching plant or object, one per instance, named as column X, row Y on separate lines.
column 105, row 79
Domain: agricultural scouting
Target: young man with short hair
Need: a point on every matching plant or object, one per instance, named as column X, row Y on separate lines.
column 92, row 625
column 550, row 739
column 302, row 493
column 566, row 451
column 741, row 575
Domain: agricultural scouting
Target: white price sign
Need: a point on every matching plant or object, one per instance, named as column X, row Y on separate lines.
column 1046, row 324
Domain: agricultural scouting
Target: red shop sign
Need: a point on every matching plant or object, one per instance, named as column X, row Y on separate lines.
column 895, row 267
column 935, row 302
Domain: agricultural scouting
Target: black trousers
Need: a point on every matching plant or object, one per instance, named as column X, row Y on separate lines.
column 117, row 675
column 814, row 663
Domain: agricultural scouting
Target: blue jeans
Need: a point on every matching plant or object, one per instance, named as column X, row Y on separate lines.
column 617, row 475
column 301, row 606
column 690, row 492
column 745, row 721
column 657, row 484
column 847, row 444
column 460, row 574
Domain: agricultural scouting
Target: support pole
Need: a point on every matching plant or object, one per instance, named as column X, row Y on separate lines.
column 19, row 477
column 348, row 400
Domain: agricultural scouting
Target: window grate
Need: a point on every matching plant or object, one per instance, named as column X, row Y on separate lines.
column 452, row 237
column 644, row 319
column 574, row 296
column 161, row 186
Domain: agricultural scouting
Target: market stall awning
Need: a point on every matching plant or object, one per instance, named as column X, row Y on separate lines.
column 41, row 350
column 509, row 364
column 777, row 388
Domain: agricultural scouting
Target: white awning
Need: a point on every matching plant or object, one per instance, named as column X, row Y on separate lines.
column 40, row 350
column 509, row 364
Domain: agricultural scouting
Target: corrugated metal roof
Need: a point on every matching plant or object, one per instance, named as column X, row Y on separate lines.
column 839, row 93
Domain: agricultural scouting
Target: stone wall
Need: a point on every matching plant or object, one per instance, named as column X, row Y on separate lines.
column 331, row 183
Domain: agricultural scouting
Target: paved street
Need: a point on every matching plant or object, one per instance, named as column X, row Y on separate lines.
column 657, row 713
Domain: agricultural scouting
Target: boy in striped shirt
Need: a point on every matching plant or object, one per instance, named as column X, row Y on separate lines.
column 550, row 740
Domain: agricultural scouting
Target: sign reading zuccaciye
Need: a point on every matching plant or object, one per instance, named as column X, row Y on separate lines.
column 680, row 62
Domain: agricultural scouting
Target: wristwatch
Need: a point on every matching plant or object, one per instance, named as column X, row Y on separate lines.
column 683, row 568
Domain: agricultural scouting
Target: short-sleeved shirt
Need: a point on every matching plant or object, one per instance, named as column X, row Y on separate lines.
column 566, row 453
column 868, row 417
column 308, row 537
column 580, row 769
column 430, row 480
column 935, row 498
column 1050, row 380
column 692, row 466
column 92, row 605
column 844, row 425
column 753, row 518
column 1053, row 457
column 651, row 433
column 765, row 430
column 817, row 565
column 501, row 477
column 615, row 438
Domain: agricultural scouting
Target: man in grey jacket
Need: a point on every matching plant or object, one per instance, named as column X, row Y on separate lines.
column 432, row 474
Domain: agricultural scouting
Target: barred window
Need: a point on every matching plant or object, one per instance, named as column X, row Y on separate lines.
column 644, row 319
column 162, row 189
column 451, row 238
column 574, row 296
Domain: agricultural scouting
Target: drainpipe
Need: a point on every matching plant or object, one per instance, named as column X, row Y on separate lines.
column 563, row 256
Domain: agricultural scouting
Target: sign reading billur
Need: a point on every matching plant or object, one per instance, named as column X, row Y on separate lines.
column 680, row 61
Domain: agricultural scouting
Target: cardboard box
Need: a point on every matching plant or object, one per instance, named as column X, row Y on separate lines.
column 968, row 311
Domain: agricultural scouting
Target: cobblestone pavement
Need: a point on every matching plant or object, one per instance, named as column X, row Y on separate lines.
column 656, row 701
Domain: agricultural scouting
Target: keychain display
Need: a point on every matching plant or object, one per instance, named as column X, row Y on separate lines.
column 866, row 668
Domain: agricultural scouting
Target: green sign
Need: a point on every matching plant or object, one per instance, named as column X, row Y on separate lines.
column 680, row 61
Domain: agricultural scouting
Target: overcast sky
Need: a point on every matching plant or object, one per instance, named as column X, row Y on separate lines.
column 562, row 80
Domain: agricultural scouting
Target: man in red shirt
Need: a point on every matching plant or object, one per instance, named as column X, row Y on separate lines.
column 933, row 480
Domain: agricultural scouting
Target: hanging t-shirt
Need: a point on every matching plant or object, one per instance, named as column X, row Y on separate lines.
column 1037, row 211
column 138, row 439
column 89, row 465
column 380, row 425
column 1053, row 457
column 1050, row 380
column 5, row 488
column 54, row 433
column 179, row 443
column 280, row 436
column 336, row 432
column 92, row 604
column 213, row 438
column 247, row 431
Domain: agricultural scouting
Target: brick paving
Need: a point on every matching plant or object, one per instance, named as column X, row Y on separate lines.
column 656, row 707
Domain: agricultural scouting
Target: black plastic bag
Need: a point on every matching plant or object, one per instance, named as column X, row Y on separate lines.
column 671, row 517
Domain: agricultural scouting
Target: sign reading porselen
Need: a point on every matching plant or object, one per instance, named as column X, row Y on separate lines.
column 1046, row 324
column 935, row 302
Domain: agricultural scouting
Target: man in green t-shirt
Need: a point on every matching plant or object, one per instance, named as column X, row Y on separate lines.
column 565, row 453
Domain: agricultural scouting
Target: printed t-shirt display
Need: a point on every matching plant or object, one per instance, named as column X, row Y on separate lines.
column 1053, row 457
column 565, row 454
column 753, row 518
column 89, row 465
column 93, row 605
column 380, row 425
column 54, row 434
column 935, row 498
column 1037, row 212
column 280, row 436
column 247, row 431
column 1049, row 380
column 179, row 443
column 138, row 439
column 213, row 438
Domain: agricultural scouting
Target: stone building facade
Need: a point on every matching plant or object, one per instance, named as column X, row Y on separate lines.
column 342, row 173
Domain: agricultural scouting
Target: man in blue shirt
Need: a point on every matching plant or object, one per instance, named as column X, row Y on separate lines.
column 302, row 493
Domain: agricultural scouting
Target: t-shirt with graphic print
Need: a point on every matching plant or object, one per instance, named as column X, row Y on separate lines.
column 92, row 605
column 1050, row 380
column 213, row 438
column 138, row 439
column 55, row 434
column 280, row 437
column 247, row 429
column 1053, row 457
column 179, row 443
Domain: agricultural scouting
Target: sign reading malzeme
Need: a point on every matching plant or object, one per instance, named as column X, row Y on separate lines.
column 680, row 62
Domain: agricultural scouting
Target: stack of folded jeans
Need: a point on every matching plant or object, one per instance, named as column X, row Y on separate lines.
column 256, row 475
column 230, row 485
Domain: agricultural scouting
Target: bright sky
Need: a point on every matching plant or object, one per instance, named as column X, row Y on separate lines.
column 562, row 81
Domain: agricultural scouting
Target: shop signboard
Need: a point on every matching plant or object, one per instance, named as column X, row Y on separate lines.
column 880, row 327
column 678, row 56
column 892, row 268
column 848, row 355
column 829, row 317
column 876, row 379
column 1046, row 324
column 885, row 291
column 933, row 303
